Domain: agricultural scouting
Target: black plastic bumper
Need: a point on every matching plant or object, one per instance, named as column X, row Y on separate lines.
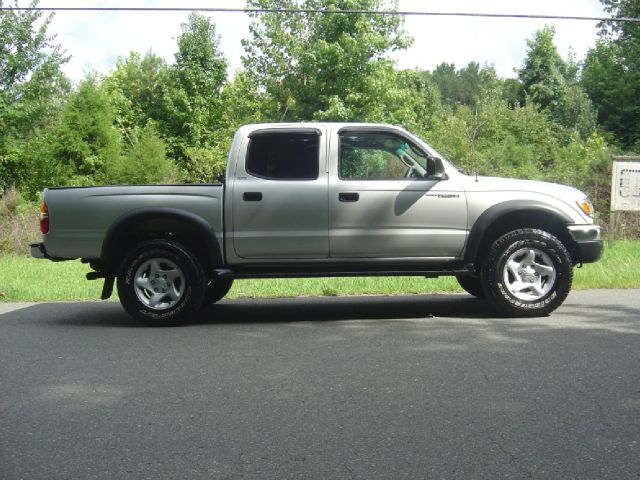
column 37, row 250
column 588, row 251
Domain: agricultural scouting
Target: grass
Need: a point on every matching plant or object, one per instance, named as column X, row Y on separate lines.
column 28, row 280
column 618, row 268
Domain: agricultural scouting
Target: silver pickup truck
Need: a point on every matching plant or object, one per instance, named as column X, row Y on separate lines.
column 324, row 199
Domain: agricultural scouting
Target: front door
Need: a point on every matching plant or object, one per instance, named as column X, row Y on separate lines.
column 385, row 204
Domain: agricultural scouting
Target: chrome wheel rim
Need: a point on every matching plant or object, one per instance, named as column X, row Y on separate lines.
column 159, row 283
column 529, row 274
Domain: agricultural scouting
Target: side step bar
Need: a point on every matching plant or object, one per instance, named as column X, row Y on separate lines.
column 348, row 272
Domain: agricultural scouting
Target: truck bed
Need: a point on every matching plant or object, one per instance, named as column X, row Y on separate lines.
column 79, row 217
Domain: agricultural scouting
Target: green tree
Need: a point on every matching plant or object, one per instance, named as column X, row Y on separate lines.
column 32, row 87
column 194, row 106
column 551, row 83
column 611, row 75
column 542, row 74
column 576, row 111
column 137, row 88
column 318, row 66
column 467, row 86
column 477, row 83
column 624, row 31
column 242, row 103
column 445, row 78
column 143, row 160
column 85, row 140
column 513, row 92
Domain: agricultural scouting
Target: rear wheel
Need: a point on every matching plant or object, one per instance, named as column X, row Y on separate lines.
column 471, row 285
column 161, row 283
column 528, row 273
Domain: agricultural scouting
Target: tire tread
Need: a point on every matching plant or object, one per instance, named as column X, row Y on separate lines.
column 511, row 241
column 194, row 295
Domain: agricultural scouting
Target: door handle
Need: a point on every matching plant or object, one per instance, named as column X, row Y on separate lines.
column 349, row 196
column 252, row 196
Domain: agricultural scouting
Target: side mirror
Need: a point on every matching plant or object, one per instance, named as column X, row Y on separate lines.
column 435, row 169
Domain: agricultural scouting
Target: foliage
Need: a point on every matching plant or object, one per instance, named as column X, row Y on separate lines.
column 18, row 223
column 149, row 120
column 38, row 166
column 494, row 139
column 323, row 67
column 513, row 92
column 206, row 164
column 30, row 77
column 542, row 72
column 575, row 111
column 86, row 139
column 467, row 86
column 414, row 102
column 193, row 101
column 143, row 160
column 611, row 75
column 136, row 88
column 242, row 104
column 31, row 86
column 497, row 139
column 551, row 84
column 625, row 31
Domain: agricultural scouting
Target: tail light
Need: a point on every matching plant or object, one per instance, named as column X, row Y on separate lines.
column 44, row 218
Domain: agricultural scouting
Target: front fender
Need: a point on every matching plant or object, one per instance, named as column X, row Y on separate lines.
column 503, row 216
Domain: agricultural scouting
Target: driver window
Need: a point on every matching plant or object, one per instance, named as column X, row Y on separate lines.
column 379, row 156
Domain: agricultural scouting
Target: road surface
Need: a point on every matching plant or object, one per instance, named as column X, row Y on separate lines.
column 411, row 387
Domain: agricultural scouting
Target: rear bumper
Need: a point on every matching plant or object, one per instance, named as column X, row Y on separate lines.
column 38, row 251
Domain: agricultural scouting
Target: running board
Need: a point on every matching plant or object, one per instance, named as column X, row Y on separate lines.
column 310, row 272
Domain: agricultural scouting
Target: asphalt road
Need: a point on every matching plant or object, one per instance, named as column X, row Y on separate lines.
column 412, row 387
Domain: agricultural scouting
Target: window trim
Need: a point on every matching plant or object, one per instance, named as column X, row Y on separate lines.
column 270, row 131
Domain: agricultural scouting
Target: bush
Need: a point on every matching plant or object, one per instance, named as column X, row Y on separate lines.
column 19, row 224
column 144, row 161
column 206, row 164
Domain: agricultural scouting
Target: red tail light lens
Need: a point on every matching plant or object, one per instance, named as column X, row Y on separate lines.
column 44, row 218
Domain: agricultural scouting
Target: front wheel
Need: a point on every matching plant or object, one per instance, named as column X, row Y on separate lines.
column 161, row 283
column 527, row 273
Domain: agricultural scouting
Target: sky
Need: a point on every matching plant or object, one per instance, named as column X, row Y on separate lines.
column 95, row 40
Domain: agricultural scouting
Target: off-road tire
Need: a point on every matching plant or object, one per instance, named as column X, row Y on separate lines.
column 515, row 270
column 184, row 282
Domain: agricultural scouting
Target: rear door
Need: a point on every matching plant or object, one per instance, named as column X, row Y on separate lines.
column 280, row 195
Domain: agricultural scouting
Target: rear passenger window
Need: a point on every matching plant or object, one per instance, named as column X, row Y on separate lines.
column 284, row 156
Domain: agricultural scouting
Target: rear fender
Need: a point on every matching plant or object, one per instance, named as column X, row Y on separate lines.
column 158, row 221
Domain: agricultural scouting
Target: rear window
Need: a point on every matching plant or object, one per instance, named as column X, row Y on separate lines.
column 284, row 156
